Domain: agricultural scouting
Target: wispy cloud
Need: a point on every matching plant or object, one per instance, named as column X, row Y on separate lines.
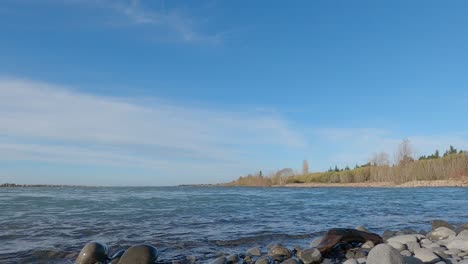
column 44, row 122
column 170, row 25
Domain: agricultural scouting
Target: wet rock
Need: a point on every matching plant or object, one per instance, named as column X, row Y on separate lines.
column 231, row 259
column 279, row 251
column 272, row 245
column 141, row 254
column 384, row 254
column 91, row 253
column 368, row 245
column 426, row 255
column 263, row 260
column 441, row 233
column 310, row 256
column 316, row 242
column 220, row 260
column 441, row 223
column 291, row 261
column 255, row 251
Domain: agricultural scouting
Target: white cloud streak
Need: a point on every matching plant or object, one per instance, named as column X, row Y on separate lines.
column 43, row 122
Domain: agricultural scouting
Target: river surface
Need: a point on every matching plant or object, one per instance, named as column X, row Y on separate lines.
column 51, row 225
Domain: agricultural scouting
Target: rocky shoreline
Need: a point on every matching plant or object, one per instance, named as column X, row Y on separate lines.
column 444, row 244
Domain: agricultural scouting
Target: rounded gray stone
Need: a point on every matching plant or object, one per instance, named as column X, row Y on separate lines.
column 91, row 253
column 310, row 256
column 426, row 255
column 263, row 260
column 255, row 251
column 441, row 233
column 139, row 254
column 405, row 238
column 316, row 241
column 384, row 254
column 397, row 245
column 351, row 261
column 279, row 251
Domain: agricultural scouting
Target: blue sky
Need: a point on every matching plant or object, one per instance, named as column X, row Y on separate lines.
column 104, row 92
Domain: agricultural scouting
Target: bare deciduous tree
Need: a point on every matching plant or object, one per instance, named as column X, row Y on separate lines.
column 305, row 167
column 404, row 154
column 380, row 159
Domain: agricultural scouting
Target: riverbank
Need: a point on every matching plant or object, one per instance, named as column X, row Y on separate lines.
column 410, row 184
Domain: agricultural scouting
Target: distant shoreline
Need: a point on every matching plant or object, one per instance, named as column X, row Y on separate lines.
column 410, row 184
column 14, row 185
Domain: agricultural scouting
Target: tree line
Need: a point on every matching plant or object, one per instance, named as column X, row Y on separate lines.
column 453, row 164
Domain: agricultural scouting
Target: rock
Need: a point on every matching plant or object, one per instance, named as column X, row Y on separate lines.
column 461, row 228
column 406, row 253
column 368, row 245
column 426, row 255
column 91, row 253
column 458, row 244
column 141, row 254
column 220, row 260
column 231, row 259
column 309, row 256
column 388, row 234
column 397, row 245
column 441, row 233
column 255, row 251
column 404, row 239
column 453, row 251
column 116, row 257
column 263, row 260
column 425, row 241
column 351, row 261
column 316, row 242
column 384, row 254
column 412, row 246
column 337, row 235
column 272, row 245
column 361, row 260
column 463, row 235
column 441, row 223
column 279, row 252
column 291, row 261
column 430, row 245
column 362, row 228
column 412, row 260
